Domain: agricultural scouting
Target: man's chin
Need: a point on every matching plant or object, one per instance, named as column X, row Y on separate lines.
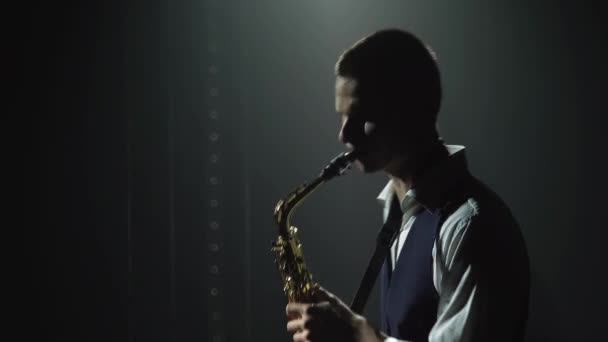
column 366, row 166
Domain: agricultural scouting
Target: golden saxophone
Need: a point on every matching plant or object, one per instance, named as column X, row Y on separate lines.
column 297, row 280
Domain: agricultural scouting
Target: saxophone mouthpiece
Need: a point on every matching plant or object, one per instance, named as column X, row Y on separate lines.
column 351, row 156
column 338, row 165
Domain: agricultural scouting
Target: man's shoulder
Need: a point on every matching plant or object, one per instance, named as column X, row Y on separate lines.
column 486, row 220
column 483, row 203
column 481, row 206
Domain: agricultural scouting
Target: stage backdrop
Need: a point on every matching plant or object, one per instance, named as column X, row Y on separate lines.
column 165, row 133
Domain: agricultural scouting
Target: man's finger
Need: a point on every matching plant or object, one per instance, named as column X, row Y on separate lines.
column 296, row 309
column 318, row 308
column 295, row 325
column 327, row 301
column 322, row 294
column 301, row 336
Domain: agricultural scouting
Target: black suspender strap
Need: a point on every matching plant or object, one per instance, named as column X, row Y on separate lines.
column 385, row 238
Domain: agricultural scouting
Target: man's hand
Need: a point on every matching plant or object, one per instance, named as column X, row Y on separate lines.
column 329, row 319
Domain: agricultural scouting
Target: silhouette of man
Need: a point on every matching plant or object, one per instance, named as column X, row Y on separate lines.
column 457, row 269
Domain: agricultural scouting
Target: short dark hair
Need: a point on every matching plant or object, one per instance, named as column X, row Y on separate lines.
column 393, row 64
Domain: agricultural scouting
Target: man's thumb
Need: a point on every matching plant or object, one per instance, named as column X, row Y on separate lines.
column 322, row 295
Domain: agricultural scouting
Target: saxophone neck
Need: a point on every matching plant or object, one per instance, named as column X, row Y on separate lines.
column 298, row 285
column 289, row 203
column 338, row 165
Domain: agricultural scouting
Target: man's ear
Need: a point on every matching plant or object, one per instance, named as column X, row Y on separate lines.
column 369, row 127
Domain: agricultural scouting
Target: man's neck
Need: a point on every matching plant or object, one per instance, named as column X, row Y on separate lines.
column 401, row 186
column 403, row 176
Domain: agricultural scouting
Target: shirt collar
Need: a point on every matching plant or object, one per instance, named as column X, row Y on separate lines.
column 432, row 187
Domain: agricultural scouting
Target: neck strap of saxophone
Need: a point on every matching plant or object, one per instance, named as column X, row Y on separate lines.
column 385, row 238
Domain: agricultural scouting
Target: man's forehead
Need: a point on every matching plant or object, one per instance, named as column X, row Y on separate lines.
column 345, row 90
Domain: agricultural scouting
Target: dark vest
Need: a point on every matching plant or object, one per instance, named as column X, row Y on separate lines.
column 408, row 297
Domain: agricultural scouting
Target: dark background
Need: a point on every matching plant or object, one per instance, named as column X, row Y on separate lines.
column 164, row 132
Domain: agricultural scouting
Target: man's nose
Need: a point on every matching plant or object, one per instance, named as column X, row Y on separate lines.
column 342, row 134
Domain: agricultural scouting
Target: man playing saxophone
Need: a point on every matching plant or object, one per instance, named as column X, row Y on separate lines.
column 457, row 268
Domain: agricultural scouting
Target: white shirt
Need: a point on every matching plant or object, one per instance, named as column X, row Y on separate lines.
column 477, row 302
column 410, row 207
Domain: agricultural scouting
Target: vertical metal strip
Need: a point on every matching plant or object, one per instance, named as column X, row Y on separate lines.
column 247, row 225
column 129, row 200
column 171, row 173
column 244, row 137
column 214, row 108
